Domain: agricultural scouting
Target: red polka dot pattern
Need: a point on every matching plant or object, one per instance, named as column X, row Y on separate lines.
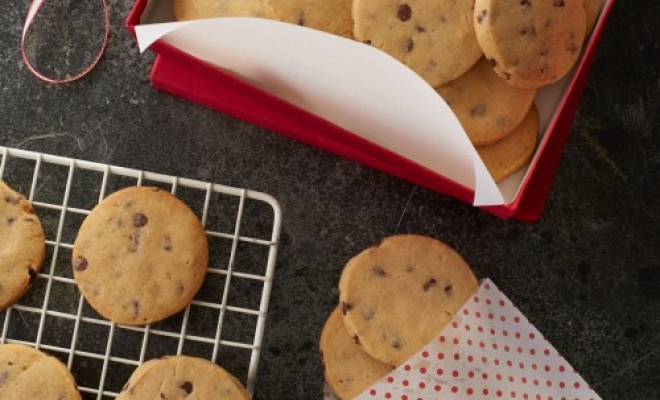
column 489, row 351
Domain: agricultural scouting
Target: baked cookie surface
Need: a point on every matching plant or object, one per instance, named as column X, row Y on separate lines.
column 530, row 43
column 200, row 9
column 514, row 151
column 181, row 377
column 348, row 370
column 332, row 16
column 27, row 373
column 140, row 256
column 22, row 245
column 592, row 10
column 487, row 107
column 436, row 39
column 398, row 295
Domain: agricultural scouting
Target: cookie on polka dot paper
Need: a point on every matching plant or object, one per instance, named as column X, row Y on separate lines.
column 140, row 256
column 396, row 296
column 488, row 351
column 347, row 368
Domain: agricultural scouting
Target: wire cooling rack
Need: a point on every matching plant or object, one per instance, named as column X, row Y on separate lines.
column 224, row 323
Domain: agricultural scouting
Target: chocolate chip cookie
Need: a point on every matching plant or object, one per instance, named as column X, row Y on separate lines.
column 182, row 377
column 348, row 369
column 27, row 373
column 487, row 107
column 200, row 9
column 398, row 295
column 140, row 256
column 332, row 16
column 530, row 43
column 436, row 39
column 22, row 245
column 514, row 151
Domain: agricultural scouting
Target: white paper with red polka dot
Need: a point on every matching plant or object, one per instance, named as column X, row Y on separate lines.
column 488, row 351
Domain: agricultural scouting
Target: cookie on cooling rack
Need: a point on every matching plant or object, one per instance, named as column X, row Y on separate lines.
column 27, row 373
column 140, row 256
column 180, row 377
column 398, row 295
column 22, row 245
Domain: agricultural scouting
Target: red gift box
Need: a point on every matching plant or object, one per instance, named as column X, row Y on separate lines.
column 184, row 75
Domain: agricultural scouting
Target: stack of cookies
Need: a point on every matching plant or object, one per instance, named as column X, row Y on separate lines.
column 394, row 298
column 485, row 58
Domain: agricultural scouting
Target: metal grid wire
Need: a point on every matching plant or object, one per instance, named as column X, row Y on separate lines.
column 224, row 323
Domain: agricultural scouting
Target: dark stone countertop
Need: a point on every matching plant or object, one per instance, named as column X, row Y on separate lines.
column 587, row 275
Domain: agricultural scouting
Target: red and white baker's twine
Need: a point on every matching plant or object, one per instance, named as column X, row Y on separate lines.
column 32, row 12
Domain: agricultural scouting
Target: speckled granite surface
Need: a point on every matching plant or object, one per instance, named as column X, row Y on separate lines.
column 587, row 275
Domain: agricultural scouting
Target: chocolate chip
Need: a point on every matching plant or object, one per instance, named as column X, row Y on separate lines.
column 379, row 271
column 135, row 241
column 301, row 19
column 528, row 31
column 482, row 15
column 396, row 344
column 526, row 4
column 135, row 306
column 409, row 45
column 544, row 52
column 356, row 340
column 429, row 284
column 492, row 62
column 448, row 288
column 12, row 200
column 162, row 396
column 367, row 42
column 420, row 29
column 367, row 313
column 139, row 220
column 478, row 110
column 558, row 3
column 187, row 387
column 346, row 307
column 167, row 243
column 4, row 375
column 507, row 76
column 80, row 264
column 404, row 12
column 33, row 274
column 10, row 220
